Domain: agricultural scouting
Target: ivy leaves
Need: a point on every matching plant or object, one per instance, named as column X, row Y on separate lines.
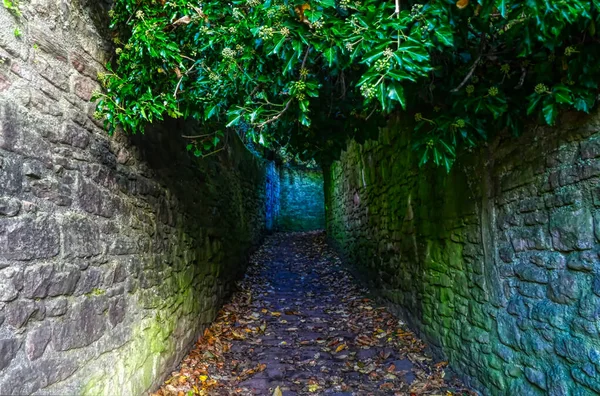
column 308, row 75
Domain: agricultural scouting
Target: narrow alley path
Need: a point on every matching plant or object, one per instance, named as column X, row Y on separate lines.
column 299, row 326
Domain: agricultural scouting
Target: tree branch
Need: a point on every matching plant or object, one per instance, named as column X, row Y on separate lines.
column 472, row 70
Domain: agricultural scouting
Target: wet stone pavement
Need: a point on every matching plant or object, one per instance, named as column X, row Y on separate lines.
column 300, row 325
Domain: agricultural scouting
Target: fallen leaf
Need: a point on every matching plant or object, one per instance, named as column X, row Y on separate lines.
column 183, row 21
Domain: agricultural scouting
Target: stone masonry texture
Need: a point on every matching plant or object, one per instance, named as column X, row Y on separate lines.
column 114, row 251
column 495, row 264
column 301, row 199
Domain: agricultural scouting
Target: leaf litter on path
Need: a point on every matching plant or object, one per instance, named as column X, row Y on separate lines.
column 300, row 325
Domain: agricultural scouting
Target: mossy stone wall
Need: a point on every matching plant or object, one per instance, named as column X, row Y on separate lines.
column 495, row 264
column 301, row 203
column 114, row 252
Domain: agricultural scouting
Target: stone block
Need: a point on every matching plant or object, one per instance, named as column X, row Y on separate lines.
column 11, row 281
column 37, row 341
column 564, row 289
column 93, row 200
column 90, row 280
column 530, row 273
column 590, row 148
column 29, row 238
column 589, row 308
column 8, row 350
column 572, row 230
column 11, row 174
column 37, row 281
column 116, row 310
column 56, row 307
column 529, row 238
column 573, row 349
column 83, row 87
column 49, row 41
column 583, row 261
column 72, row 135
column 81, row 236
column 9, row 207
column 19, row 312
column 64, row 282
column 536, row 377
column 80, row 328
column 550, row 313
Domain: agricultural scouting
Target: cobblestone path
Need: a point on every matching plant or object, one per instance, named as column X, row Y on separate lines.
column 300, row 325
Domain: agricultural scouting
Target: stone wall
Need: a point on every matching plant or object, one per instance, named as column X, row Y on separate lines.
column 114, row 252
column 495, row 264
column 301, row 200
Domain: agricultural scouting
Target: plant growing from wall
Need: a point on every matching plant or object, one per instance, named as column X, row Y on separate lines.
column 309, row 75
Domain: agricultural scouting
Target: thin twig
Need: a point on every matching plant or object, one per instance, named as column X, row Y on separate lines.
column 522, row 79
column 275, row 118
column 305, row 57
column 370, row 114
column 469, row 74
column 472, row 70
column 197, row 136
column 181, row 79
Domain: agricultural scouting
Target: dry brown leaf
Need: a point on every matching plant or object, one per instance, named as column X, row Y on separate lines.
column 183, row 21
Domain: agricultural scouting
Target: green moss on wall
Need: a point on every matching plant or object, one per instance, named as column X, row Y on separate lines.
column 495, row 264
column 302, row 205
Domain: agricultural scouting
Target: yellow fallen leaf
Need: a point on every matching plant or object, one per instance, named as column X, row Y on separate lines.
column 277, row 392
column 203, row 378
column 276, row 314
column 313, row 387
column 340, row 347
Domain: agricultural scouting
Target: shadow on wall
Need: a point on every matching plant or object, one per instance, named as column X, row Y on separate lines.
column 302, row 202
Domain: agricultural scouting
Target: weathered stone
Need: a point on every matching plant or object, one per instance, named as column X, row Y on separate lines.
column 83, row 87
column 57, row 369
column 56, row 307
column 37, row 281
column 529, row 238
column 29, row 238
column 123, row 246
column 8, row 350
column 48, row 42
column 590, row 149
column 583, row 261
column 116, row 311
column 572, row 230
column 11, row 175
column 536, row 377
column 21, row 379
column 64, row 283
column 90, row 280
column 93, row 200
column 33, row 169
column 571, row 348
column 80, row 328
column 72, row 135
column 564, row 289
column 530, row 273
column 81, row 237
column 589, row 307
column 9, row 206
column 18, row 312
column 37, row 340
column 551, row 313
column 10, row 284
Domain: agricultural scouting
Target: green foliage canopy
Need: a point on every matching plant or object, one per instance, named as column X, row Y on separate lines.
column 309, row 74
